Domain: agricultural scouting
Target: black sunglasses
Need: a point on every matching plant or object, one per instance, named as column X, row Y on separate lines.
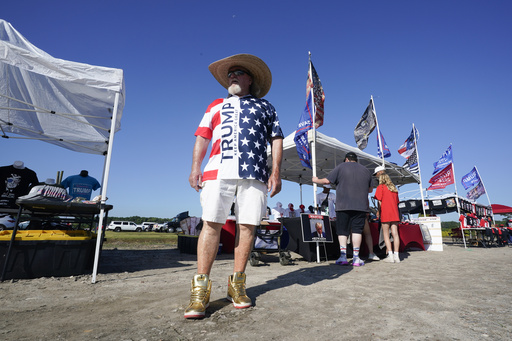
column 237, row 73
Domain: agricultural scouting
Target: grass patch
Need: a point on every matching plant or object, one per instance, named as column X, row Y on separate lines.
column 135, row 240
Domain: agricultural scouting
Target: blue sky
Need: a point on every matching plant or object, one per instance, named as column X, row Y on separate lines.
column 443, row 65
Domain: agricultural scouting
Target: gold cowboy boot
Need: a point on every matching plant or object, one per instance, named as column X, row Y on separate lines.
column 236, row 291
column 199, row 297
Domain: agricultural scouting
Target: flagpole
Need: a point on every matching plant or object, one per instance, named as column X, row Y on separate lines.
column 379, row 141
column 313, row 147
column 457, row 196
column 313, row 140
column 487, row 195
column 419, row 168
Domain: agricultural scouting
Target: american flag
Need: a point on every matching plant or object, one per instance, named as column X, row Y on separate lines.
column 318, row 94
column 408, row 146
column 412, row 163
column 258, row 124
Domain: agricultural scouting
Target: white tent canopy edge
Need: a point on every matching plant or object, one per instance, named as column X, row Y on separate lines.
column 73, row 105
column 329, row 153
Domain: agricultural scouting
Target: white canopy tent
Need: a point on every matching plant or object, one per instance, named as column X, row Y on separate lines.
column 329, row 153
column 73, row 105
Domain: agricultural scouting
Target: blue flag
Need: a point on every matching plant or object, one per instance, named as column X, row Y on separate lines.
column 444, row 160
column 383, row 145
column 476, row 191
column 301, row 135
column 470, row 179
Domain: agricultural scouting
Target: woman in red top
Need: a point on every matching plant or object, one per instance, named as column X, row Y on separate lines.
column 387, row 196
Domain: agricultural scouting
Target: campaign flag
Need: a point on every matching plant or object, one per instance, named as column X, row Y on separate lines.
column 365, row 127
column 444, row 160
column 442, row 178
column 476, row 191
column 470, row 179
column 411, row 163
column 383, row 145
column 408, row 147
column 318, row 94
column 301, row 135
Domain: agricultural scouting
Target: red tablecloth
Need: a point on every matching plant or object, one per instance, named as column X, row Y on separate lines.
column 410, row 236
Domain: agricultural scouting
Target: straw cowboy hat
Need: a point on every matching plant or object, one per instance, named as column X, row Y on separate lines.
column 261, row 75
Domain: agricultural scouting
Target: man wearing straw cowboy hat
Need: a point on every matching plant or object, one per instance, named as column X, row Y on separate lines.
column 239, row 126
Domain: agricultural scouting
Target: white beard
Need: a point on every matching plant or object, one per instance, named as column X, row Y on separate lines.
column 234, row 89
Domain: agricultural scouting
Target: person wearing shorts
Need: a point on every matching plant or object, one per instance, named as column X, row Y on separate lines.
column 240, row 127
column 353, row 184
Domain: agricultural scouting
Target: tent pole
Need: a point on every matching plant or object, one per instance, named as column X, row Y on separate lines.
column 106, row 171
column 313, row 149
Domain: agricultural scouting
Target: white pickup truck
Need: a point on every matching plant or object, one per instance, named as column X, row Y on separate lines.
column 147, row 226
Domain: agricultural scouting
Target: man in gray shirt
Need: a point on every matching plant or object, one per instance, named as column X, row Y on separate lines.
column 353, row 183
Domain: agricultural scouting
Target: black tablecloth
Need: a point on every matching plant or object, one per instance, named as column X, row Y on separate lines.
column 308, row 249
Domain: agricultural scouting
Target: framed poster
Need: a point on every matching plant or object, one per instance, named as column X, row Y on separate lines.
column 316, row 228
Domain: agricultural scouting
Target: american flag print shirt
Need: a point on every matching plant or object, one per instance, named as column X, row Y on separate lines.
column 240, row 129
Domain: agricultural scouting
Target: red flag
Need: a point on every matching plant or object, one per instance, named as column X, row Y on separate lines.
column 318, row 94
column 442, row 178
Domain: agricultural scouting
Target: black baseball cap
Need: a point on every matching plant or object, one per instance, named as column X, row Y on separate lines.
column 351, row 156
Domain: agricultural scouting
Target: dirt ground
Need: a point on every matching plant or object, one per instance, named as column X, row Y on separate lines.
column 457, row 294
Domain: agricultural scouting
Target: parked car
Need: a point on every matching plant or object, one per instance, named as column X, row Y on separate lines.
column 119, row 226
column 147, row 226
column 23, row 225
column 173, row 225
column 6, row 222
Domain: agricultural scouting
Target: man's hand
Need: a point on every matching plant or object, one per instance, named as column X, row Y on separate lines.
column 195, row 179
column 274, row 181
column 274, row 184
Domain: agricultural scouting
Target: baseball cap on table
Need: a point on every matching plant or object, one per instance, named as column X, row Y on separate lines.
column 378, row 169
column 261, row 75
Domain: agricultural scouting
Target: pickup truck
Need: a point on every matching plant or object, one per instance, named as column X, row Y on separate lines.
column 147, row 226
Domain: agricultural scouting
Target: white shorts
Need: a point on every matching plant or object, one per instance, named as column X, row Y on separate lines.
column 249, row 196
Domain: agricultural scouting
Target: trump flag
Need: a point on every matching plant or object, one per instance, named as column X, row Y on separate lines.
column 442, row 178
column 444, row 160
column 301, row 134
column 383, row 145
column 477, row 191
column 470, row 179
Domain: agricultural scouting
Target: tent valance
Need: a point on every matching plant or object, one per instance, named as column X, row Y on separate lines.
column 444, row 204
column 329, row 153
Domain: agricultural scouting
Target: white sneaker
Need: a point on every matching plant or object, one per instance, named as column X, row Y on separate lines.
column 389, row 259
column 373, row 256
column 396, row 258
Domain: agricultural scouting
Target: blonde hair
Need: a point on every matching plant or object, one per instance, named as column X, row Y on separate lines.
column 385, row 180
